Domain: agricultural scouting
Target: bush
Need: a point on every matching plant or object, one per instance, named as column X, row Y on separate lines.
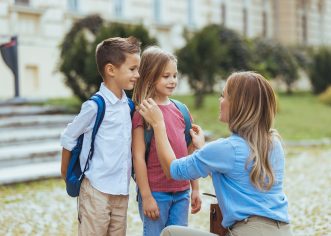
column 275, row 60
column 211, row 51
column 77, row 59
column 325, row 97
column 320, row 69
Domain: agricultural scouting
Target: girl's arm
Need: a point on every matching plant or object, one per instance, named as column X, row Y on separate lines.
column 138, row 153
column 195, row 197
column 195, row 194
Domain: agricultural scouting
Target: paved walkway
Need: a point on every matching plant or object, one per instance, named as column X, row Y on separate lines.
column 43, row 208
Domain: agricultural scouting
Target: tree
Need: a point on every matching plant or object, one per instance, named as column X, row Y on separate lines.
column 319, row 70
column 77, row 58
column 275, row 60
column 212, row 51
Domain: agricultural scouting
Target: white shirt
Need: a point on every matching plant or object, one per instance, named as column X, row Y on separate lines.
column 110, row 168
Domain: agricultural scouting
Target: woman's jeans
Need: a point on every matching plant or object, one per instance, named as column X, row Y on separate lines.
column 173, row 208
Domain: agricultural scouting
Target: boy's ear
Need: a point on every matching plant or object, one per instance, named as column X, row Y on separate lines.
column 110, row 69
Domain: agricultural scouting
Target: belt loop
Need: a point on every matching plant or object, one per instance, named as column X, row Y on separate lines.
column 246, row 220
column 278, row 224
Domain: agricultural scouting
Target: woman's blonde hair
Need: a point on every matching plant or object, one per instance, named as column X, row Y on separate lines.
column 252, row 111
column 153, row 62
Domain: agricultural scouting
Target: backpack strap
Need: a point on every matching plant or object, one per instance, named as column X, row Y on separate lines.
column 132, row 107
column 187, row 119
column 148, row 133
column 98, row 99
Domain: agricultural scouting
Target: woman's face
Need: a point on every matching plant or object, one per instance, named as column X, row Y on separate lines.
column 224, row 107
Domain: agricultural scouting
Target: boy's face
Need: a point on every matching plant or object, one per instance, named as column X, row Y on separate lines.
column 126, row 75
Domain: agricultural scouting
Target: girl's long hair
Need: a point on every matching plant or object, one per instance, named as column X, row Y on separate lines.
column 153, row 62
column 251, row 115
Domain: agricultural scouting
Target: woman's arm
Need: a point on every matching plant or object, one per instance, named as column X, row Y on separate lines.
column 138, row 153
column 153, row 115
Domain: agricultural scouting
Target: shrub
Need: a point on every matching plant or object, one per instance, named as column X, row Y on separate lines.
column 319, row 71
column 325, row 97
column 77, row 59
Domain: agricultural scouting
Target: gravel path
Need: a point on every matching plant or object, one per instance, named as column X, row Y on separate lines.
column 43, row 208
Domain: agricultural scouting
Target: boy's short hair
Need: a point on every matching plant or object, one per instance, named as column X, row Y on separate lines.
column 113, row 50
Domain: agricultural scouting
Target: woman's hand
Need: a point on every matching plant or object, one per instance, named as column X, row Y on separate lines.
column 198, row 137
column 150, row 208
column 195, row 201
column 151, row 112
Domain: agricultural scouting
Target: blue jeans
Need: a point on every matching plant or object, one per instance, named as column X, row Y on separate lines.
column 173, row 211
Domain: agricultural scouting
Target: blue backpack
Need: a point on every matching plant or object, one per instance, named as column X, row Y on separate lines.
column 75, row 175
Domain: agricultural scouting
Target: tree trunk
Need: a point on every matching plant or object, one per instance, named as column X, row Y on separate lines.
column 198, row 99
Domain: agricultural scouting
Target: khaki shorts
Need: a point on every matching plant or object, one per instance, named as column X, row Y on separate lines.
column 100, row 213
column 257, row 225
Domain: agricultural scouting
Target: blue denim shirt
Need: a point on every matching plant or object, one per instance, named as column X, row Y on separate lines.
column 225, row 160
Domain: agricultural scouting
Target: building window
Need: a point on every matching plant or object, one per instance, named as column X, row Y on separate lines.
column 22, row 2
column 264, row 24
column 118, row 8
column 73, row 5
column 157, row 11
column 190, row 12
column 245, row 22
column 223, row 12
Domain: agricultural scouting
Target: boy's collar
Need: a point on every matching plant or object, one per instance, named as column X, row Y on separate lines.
column 111, row 96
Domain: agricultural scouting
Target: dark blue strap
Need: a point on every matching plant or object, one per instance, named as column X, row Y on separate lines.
column 132, row 107
column 98, row 99
column 187, row 119
column 148, row 133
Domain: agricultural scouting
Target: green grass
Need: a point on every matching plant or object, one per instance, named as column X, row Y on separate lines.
column 300, row 116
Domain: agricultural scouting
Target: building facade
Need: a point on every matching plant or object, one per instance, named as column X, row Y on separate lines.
column 41, row 25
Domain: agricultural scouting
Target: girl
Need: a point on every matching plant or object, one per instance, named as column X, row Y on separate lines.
column 162, row 201
column 247, row 168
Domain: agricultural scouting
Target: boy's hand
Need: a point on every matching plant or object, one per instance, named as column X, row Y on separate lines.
column 195, row 201
column 150, row 208
column 198, row 137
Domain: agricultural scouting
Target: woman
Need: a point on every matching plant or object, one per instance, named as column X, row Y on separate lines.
column 247, row 168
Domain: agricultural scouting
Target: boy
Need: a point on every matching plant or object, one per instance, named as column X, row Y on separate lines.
column 103, row 197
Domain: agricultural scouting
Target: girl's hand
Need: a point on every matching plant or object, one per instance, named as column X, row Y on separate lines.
column 150, row 208
column 198, row 137
column 151, row 112
column 195, row 201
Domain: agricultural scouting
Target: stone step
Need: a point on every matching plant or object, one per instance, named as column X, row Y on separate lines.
column 11, row 136
column 35, row 121
column 10, row 110
column 29, row 172
column 14, row 155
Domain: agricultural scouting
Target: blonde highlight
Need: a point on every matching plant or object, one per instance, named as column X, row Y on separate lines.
column 251, row 115
column 153, row 62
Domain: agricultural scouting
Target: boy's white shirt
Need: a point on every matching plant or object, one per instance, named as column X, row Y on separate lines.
column 110, row 168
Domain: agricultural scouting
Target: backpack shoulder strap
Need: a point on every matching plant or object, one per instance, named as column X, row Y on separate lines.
column 132, row 106
column 98, row 99
column 148, row 133
column 187, row 119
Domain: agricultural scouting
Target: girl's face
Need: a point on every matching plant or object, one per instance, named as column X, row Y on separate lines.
column 167, row 82
column 224, row 107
